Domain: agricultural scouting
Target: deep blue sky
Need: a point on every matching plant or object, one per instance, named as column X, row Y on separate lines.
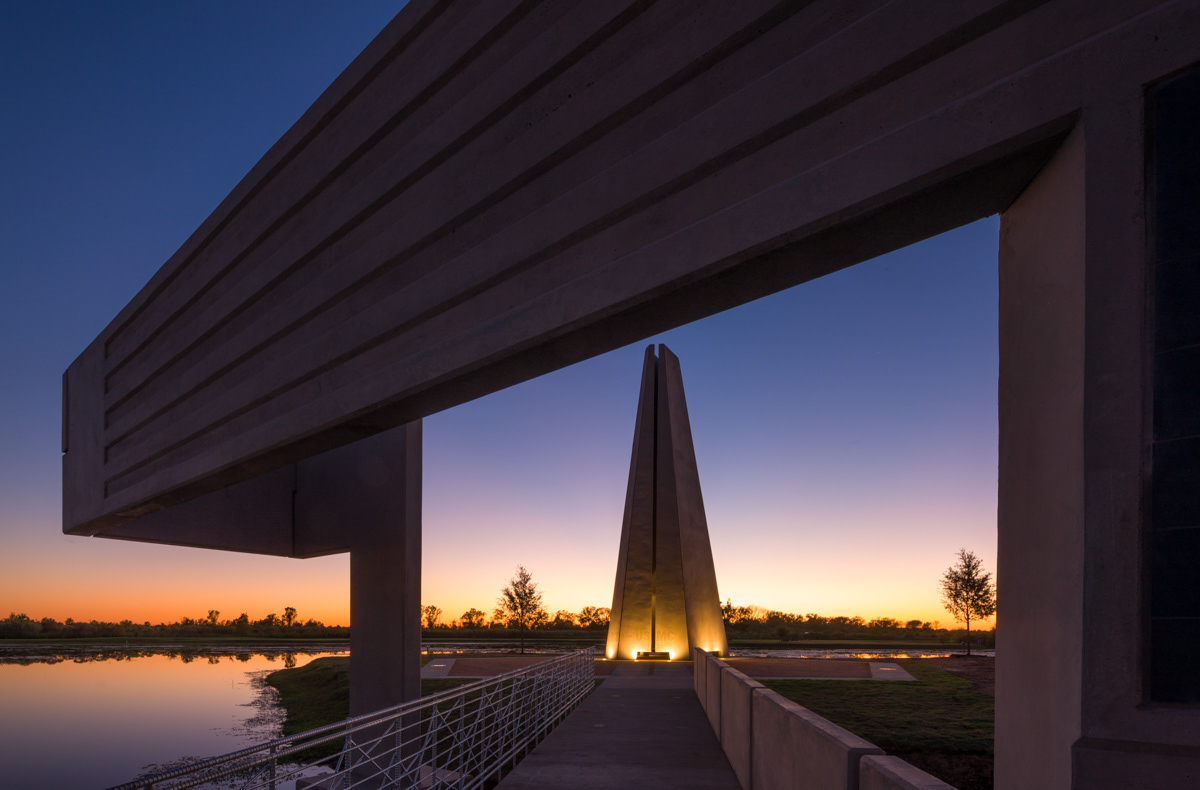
column 845, row 430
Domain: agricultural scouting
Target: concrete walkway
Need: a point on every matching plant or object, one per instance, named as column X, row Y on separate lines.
column 437, row 668
column 886, row 670
column 641, row 728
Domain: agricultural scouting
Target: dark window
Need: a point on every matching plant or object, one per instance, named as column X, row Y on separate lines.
column 1174, row 551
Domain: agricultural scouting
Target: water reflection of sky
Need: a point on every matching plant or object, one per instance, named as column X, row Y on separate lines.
column 87, row 722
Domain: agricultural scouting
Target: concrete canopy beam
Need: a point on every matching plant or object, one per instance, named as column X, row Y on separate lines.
column 485, row 196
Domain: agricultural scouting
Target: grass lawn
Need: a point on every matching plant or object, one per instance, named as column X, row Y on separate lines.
column 318, row 693
column 938, row 723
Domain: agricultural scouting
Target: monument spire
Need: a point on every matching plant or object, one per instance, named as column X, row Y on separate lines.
column 665, row 599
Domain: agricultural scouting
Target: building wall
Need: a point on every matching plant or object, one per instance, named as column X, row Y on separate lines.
column 1040, row 564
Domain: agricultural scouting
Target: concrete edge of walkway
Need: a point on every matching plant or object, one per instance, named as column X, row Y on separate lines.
column 437, row 668
column 886, row 670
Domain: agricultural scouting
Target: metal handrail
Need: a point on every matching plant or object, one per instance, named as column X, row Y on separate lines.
column 457, row 738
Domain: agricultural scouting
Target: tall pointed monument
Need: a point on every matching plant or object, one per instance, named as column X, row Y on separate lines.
column 665, row 601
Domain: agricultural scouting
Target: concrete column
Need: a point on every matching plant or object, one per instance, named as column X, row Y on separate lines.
column 1040, row 516
column 385, row 585
column 366, row 497
column 1073, row 707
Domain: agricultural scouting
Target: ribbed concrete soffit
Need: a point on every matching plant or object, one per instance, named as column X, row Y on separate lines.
column 494, row 190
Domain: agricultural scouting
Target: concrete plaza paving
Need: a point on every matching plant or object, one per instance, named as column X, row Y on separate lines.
column 642, row 728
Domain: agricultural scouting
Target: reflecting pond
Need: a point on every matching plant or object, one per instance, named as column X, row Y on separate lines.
column 87, row 717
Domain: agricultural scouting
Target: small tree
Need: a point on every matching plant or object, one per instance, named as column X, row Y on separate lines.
column 563, row 619
column 431, row 615
column 593, row 617
column 520, row 603
column 472, row 618
column 968, row 592
column 289, row 615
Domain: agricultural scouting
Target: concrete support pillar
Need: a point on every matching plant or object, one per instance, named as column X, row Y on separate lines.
column 366, row 497
column 385, row 583
column 1041, row 477
column 1078, row 482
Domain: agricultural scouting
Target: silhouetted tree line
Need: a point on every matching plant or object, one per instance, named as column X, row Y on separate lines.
column 755, row 622
column 85, row 654
column 590, row 618
column 22, row 626
column 742, row 622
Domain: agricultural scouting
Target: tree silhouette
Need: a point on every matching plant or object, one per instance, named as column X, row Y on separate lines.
column 431, row 615
column 472, row 618
column 594, row 616
column 968, row 592
column 520, row 603
column 289, row 615
column 562, row 619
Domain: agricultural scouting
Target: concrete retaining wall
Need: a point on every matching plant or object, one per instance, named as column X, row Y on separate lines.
column 795, row 748
column 773, row 743
column 712, row 694
column 891, row 773
column 737, row 721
